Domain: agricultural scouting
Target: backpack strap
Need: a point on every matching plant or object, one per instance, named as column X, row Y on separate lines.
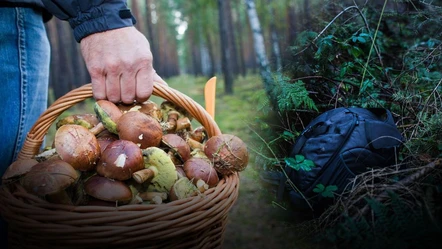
column 382, row 133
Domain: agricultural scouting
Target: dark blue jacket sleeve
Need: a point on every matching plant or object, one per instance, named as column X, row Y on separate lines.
column 88, row 17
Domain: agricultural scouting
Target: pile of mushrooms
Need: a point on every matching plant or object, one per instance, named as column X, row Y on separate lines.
column 143, row 153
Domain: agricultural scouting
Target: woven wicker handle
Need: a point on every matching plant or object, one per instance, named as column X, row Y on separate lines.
column 37, row 133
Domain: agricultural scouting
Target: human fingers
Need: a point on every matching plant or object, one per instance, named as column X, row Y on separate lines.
column 128, row 87
column 144, row 84
column 113, row 90
column 98, row 86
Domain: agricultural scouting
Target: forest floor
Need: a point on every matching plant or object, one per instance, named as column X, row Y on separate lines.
column 255, row 220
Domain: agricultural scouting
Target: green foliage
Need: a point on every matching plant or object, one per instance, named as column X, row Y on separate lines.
column 339, row 66
column 292, row 95
column 299, row 163
column 328, row 191
column 353, row 61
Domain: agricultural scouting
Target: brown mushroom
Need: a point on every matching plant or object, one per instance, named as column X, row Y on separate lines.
column 177, row 146
column 86, row 120
column 119, row 160
column 227, row 152
column 77, row 146
column 50, row 179
column 197, row 168
column 148, row 107
column 105, row 189
column 171, row 114
column 104, row 138
column 108, row 114
column 139, row 128
column 17, row 169
column 199, row 134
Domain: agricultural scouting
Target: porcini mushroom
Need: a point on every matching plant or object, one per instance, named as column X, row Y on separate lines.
column 171, row 114
column 199, row 168
column 108, row 114
column 139, row 128
column 148, row 107
column 177, row 146
column 119, row 160
column 182, row 188
column 159, row 170
column 50, row 179
column 86, row 120
column 104, row 138
column 17, row 169
column 227, row 152
column 77, row 146
column 105, row 189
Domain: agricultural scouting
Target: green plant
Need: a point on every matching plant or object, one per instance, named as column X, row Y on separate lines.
column 368, row 55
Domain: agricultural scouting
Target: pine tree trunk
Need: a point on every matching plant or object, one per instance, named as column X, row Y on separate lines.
column 226, row 50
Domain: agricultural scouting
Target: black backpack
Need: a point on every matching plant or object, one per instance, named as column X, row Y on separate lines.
column 342, row 143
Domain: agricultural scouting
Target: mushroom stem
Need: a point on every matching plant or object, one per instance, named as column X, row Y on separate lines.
column 202, row 185
column 171, row 124
column 183, row 124
column 97, row 129
column 151, row 196
column 144, row 175
column 194, row 144
column 198, row 134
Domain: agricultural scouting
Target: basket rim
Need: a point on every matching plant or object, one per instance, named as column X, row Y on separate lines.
column 37, row 133
column 37, row 217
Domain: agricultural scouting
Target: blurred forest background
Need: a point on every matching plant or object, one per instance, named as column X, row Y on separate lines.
column 201, row 38
column 280, row 63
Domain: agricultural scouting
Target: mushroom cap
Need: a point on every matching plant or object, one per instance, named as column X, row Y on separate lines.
column 77, row 146
column 167, row 174
column 18, row 168
column 140, row 128
column 104, row 138
column 177, row 145
column 197, row 168
column 86, row 120
column 182, row 188
column 227, row 152
column 148, row 107
column 119, row 160
column 108, row 113
column 49, row 177
column 106, row 189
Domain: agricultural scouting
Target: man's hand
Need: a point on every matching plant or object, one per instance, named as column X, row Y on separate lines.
column 119, row 62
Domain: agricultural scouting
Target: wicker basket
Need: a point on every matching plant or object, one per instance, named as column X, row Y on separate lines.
column 195, row 222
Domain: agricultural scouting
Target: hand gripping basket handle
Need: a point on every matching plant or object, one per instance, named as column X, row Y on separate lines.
column 38, row 131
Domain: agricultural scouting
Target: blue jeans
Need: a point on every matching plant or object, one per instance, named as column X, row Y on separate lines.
column 24, row 70
column 24, row 77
